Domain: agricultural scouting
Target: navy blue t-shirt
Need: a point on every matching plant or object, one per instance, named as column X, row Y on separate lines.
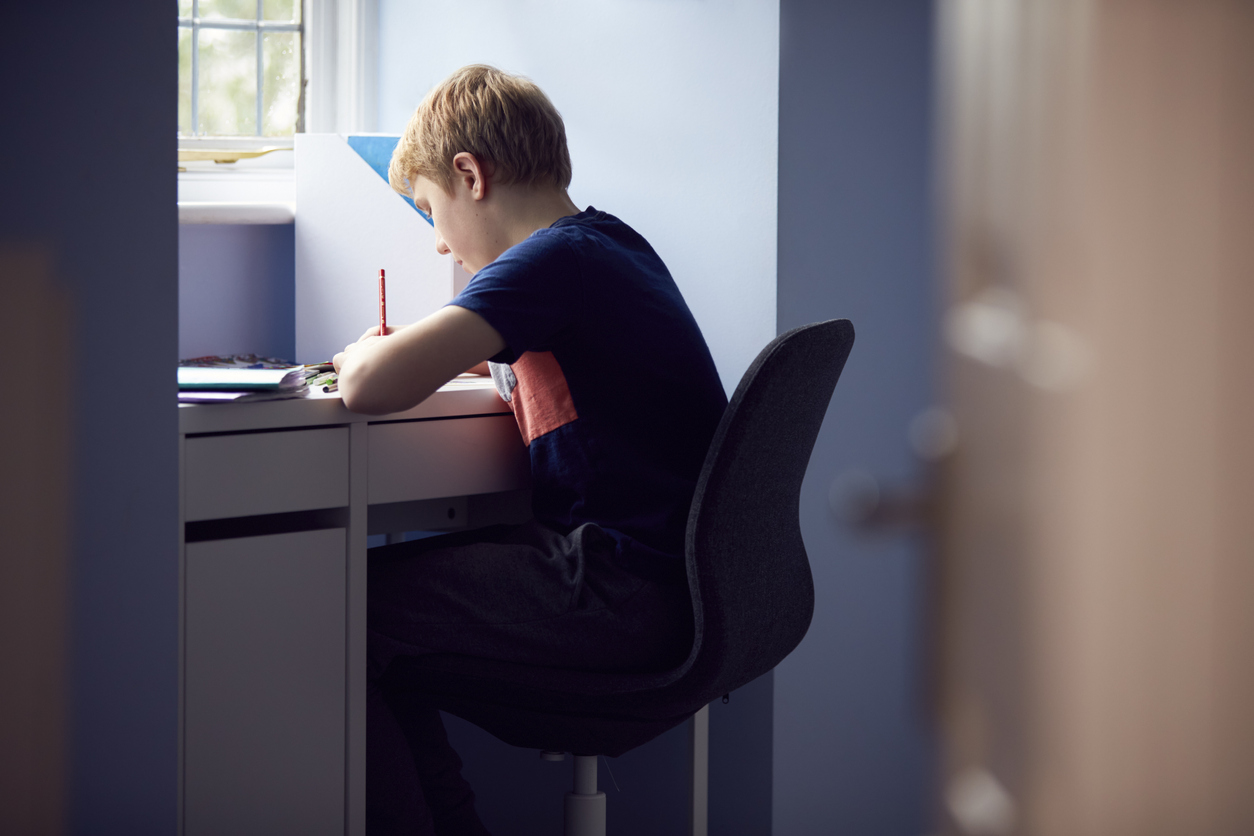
column 613, row 386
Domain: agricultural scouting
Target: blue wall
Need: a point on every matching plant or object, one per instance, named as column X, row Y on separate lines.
column 89, row 96
column 237, row 290
column 852, row 747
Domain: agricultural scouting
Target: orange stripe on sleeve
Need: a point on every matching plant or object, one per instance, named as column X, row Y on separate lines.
column 541, row 400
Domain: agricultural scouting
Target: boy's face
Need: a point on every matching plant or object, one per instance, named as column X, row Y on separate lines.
column 460, row 220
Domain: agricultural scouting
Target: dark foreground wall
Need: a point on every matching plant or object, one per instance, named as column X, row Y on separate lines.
column 851, row 745
column 88, row 93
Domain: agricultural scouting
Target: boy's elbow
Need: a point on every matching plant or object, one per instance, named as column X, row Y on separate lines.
column 352, row 399
column 354, row 402
column 356, row 390
column 364, row 402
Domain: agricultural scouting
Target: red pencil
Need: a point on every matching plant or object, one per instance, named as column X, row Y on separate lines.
column 383, row 307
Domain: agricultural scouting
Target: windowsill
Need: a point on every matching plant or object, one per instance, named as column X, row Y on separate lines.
column 256, row 191
column 242, row 143
column 223, row 212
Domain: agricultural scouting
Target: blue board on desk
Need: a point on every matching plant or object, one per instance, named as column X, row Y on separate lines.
column 377, row 151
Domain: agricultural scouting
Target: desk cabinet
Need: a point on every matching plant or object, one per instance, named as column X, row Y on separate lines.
column 275, row 508
column 264, row 688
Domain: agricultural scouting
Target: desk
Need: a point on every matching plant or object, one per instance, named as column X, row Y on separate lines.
column 275, row 502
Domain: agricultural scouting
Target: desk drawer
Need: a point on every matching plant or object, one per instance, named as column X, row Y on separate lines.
column 265, row 473
column 453, row 457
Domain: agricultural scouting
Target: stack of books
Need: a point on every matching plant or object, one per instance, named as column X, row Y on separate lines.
column 247, row 378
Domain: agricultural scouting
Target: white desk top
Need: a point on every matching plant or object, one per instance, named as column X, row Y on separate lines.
column 459, row 397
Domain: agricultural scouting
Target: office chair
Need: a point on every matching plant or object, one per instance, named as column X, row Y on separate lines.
column 752, row 593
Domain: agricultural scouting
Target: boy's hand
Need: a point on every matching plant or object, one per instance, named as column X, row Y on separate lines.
column 373, row 331
column 370, row 336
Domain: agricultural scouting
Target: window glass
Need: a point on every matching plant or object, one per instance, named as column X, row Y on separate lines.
column 281, row 82
column 233, row 9
column 239, row 67
column 185, row 80
column 281, row 10
column 227, row 94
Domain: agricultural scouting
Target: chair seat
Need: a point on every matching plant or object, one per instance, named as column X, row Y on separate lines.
column 448, row 669
column 549, row 708
column 557, row 732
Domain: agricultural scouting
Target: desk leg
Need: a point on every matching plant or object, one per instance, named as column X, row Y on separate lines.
column 699, row 740
column 182, row 635
column 355, row 731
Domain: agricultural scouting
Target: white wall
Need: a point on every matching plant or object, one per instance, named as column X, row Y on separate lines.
column 671, row 115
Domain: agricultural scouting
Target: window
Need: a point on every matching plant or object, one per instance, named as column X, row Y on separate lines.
column 240, row 68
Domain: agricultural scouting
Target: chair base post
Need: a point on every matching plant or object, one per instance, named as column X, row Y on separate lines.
column 585, row 807
column 699, row 780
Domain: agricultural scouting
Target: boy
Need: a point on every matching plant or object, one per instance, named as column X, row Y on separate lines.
column 616, row 396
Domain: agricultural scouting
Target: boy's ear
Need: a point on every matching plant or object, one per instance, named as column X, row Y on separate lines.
column 473, row 173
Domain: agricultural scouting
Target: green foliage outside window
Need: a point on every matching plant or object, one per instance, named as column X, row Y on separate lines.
column 218, row 42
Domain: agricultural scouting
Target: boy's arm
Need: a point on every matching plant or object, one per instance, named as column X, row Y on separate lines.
column 393, row 373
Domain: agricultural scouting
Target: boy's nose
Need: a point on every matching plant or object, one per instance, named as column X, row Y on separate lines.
column 441, row 247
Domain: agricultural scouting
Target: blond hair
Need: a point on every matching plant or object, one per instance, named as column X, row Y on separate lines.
column 502, row 119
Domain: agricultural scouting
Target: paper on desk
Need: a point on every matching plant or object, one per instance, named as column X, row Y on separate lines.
column 237, row 379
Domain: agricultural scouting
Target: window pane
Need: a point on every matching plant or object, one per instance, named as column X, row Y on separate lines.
column 185, row 80
column 235, row 9
column 185, row 8
column 281, row 10
column 282, row 82
column 228, row 83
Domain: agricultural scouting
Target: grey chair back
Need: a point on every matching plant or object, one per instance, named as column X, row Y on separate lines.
column 753, row 595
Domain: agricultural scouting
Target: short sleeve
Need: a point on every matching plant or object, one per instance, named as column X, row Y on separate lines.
column 527, row 294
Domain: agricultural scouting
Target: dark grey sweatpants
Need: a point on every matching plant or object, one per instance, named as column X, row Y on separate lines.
column 522, row 594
